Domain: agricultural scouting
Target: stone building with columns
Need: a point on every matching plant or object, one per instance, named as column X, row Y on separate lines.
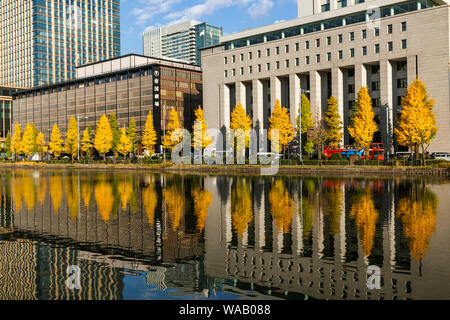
column 335, row 49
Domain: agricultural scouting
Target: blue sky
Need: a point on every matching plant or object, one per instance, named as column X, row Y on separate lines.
column 232, row 15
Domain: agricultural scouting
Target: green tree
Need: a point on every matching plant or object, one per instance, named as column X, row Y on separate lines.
column 55, row 145
column 71, row 143
column 8, row 142
column 334, row 123
column 306, row 122
column 149, row 136
column 131, row 133
column 103, row 137
column 115, row 133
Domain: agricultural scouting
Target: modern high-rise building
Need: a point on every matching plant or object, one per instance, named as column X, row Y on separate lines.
column 335, row 49
column 42, row 41
column 182, row 41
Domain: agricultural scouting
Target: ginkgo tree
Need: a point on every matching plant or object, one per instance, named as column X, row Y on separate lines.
column 86, row 142
column 280, row 120
column 71, row 143
column 103, row 137
column 125, row 146
column 55, row 144
column 201, row 137
column 417, row 122
column 172, row 127
column 149, row 137
column 27, row 141
column 16, row 141
column 362, row 122
column 241, row 123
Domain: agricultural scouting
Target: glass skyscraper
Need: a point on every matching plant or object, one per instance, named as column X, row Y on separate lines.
column 42, row 41
column 181, row 41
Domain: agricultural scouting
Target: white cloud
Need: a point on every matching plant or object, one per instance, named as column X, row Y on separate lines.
column 260, row 8
column 149, row 9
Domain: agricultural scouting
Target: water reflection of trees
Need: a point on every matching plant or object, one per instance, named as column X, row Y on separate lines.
column 281, row 206
column 186, row 201
column 202, row 200
column 334, row 197
column 365, row 215
column 241, row 205
column 417, row 209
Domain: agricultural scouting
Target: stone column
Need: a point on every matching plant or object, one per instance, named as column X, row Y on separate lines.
column 315, row 95
column 275, row 91
column 240, row 94
column 337, row 90
column 386, row 97
column 294, row 99
column 225, row 106
column 360, row 77
column 412, row 69
column 258, row 104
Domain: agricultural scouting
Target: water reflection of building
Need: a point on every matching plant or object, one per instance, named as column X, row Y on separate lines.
column 324, row 264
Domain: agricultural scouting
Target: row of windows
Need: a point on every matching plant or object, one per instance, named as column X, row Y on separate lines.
column 307, row 44
column 390, row 47
column 358, row 17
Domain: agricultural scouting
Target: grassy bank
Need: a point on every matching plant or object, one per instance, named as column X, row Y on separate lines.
column 329, row 170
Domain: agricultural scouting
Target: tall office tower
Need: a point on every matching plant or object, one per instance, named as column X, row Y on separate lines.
column 42, row 41
column 181, row 41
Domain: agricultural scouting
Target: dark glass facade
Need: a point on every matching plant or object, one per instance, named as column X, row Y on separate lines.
column 128, row 93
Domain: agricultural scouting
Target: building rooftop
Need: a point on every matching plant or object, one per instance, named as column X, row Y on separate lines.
column 109, row 67
column 318, row 17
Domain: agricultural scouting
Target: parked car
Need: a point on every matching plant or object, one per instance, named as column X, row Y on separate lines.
column 403, row 155
column 440, row 156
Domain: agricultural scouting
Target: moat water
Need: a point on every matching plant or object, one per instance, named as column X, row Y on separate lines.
column 134, row 235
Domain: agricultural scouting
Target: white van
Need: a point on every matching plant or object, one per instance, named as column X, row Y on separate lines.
column 441, row 156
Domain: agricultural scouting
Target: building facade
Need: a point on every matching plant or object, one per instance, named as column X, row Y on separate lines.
column 6, row 110
column 335, row 52
column 130, row 86
column 42, row 41
column 182, row 41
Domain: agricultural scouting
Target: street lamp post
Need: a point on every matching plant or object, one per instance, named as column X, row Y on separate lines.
column 78, row 134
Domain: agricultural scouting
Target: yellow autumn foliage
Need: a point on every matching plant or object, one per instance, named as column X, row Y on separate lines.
column 241, row 206
column 280, row 120
column 56, row 191
column 202, row 200
column 418, row 214
column 174, row 199
column 365, row 214
column 149, row 201
column 104, row 198
column 281, row 206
